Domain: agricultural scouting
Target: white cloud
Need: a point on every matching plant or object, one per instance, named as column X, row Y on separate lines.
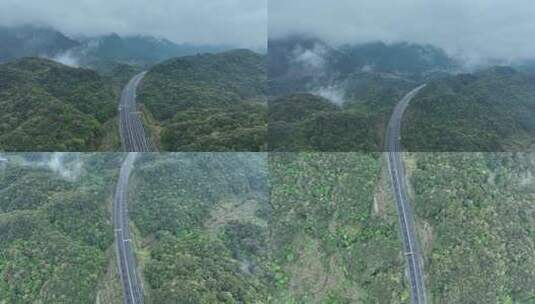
column 333, row 93
column 478, row 28
column 240, row 23
column 310, row 58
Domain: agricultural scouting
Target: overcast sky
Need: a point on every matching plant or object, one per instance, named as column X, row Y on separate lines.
column 502, row 29
column 240, row 23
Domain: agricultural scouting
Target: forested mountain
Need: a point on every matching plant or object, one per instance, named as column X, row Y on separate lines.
column 208, row 102
column 349, row 116
column 212, row 102
column 301, row 63
column 363, row 82
column 490, row 110
column 28, row 40
column 476, row 225
column 305, row 122
column 44, row 41
column 47, row 106
column 55, row 229
column 401, row 57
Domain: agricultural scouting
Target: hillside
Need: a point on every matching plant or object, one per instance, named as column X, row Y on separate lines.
column 28, row 40
column 305, row 122
column 226, row 237
column 56, row 232
column 217, row 98
column 363, row 82
column 490, row 110
column 315, row 122
column 253, row 228
column 334, row 234
column 475, row 221
column 202, row 227
column 45, row 41
column 48, row 106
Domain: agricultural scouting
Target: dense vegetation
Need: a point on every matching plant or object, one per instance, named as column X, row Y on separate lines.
column 55, row 227
column 207, row 232
column 334, row 230
column 252, row 228
column 308, row 122
column 305, row 122
column 475, row 216
column 209, row 102
column 50, row 107
column 363, row 83
column 491, row 110
column 488, row 110
column 202, row 220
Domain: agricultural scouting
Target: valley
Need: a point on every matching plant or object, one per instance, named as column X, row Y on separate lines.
column 66, row 98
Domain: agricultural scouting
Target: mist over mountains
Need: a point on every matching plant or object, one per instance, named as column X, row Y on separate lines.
column 302, row 62
column 309, row 64
column 43, row 41
column 339, row 97
column 31, row 40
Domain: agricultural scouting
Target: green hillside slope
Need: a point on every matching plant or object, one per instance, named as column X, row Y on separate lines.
column 208, row 102
column 308, row 122
column 475, row 221
column 202, row 220
column 491, row 110
column 334, row 230
column 50, row 107
column 55, row 228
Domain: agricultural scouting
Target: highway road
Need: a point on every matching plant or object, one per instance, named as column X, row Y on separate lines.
column 133, row 135
column 405, row 214
column 132, row 290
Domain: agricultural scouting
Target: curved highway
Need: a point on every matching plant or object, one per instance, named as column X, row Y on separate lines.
column 405, row 213
column 132, row 290
column 133, row 136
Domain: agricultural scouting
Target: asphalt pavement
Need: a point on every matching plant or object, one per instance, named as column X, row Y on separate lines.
column 132, row 132
column 126, row 262
column 405, row 213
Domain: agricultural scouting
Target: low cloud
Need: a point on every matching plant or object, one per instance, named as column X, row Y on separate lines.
column 333, row 93
column 67, row 58
column 68, row 166
column 478, row 29
column 240, row 23
column 310, row 58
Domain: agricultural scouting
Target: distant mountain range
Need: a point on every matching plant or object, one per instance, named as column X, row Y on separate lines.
column 39, row 41
column 300, row 63
column 136, row 49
